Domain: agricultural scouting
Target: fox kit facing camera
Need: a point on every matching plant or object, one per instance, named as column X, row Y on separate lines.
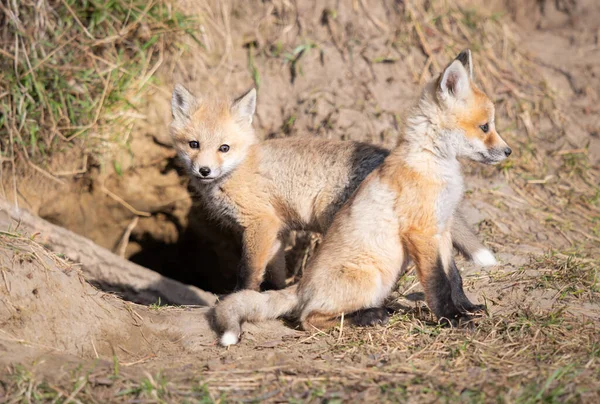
column 403, row 210
column 266, row 189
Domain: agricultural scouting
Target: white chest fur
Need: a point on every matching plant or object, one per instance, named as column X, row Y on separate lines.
column 217, row 204
column 451, row 193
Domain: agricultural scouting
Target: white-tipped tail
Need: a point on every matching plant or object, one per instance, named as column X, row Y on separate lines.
column 484, row 258
column 229, row 338
column 249, row 305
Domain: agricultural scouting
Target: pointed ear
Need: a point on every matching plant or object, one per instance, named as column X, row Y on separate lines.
column 455, row 82
column 182, row 103
column 245, row 106
column 464, row 57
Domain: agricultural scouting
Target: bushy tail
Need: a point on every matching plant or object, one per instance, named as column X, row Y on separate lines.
column 248, row 305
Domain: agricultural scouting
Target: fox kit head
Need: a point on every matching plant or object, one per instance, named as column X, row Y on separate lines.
column 466, row 118
column 211, row 137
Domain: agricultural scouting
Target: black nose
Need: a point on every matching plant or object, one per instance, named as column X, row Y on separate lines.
column 507, row 151
column 204, row 171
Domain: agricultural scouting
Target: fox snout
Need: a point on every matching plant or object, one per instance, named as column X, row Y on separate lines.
column 200, row 166
column 205, row 171
column 497, row 151
column 507, row 151
column 496, row 155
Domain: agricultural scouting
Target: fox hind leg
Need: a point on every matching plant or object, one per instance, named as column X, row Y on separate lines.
column 321, row 321
column 371, row 317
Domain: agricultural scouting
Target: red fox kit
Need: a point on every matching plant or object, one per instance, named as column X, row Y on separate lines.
column 266, row 189
column 403, row 210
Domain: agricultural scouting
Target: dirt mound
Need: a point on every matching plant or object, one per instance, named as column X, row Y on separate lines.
column 49, row 306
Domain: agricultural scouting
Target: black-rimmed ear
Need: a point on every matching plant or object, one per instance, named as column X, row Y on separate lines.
column 465, row 58
column 245, row 106
column 455, row 82
column 182, row 103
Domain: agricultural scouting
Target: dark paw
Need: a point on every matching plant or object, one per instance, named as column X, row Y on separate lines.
column 371, row 317
column 462, row 321
column 445, row 311
column 449, row 321
column 471, row 308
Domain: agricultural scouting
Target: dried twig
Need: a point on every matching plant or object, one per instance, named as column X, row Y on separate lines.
column 124, row 203
column 45, row 173
column 125, row 238
column 6, row 281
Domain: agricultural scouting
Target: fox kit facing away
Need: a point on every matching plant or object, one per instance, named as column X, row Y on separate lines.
column 404, row 209
column 266, row 189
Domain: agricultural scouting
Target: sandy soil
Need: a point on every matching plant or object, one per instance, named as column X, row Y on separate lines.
column 354, row 71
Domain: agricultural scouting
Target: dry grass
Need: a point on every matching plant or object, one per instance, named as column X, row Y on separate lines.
column 572, row 278
column 72, row 74
column 29, row 249
column 523, row 357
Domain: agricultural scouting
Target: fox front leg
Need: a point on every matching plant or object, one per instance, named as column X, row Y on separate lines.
column 428, row 253
column 260, row 244
column 276, row 269
column 461, row 301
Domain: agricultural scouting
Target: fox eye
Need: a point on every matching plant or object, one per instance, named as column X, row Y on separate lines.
column 224, row 148
column 485, row 128
column 194, row 144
